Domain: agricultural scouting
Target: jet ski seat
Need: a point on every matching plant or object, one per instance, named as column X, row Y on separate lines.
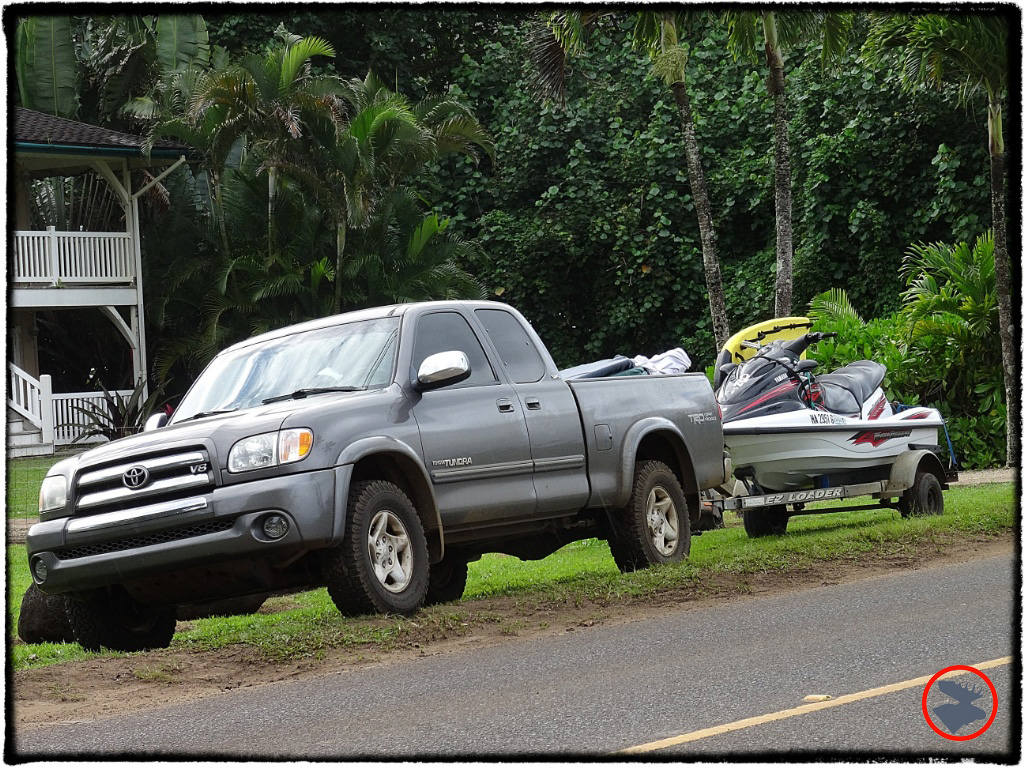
column 847, row 388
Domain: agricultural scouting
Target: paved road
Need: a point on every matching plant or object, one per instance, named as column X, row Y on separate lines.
column 603, row 689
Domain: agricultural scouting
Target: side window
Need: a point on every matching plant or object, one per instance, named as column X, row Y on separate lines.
column 445, row 331
column 523, row 363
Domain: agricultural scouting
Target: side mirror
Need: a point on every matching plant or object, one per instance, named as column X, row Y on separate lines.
column 441, row 370
column 156, row 421
column 806, row 365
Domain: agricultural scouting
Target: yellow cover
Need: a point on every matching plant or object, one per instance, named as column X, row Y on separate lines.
column 779, row 329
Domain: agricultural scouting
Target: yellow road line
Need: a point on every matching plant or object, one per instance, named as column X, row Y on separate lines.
column 804, row 709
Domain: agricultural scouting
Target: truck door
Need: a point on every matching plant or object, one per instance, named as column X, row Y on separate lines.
column 552, row 418
column 475, row 443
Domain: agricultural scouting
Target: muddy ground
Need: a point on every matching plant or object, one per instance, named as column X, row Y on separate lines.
column 87, row 690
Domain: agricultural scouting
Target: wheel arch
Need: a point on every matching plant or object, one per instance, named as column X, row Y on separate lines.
column 660, row 440
column 905, row 468
column 388, row 459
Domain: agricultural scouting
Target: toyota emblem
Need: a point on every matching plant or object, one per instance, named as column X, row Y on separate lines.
column 135, row 477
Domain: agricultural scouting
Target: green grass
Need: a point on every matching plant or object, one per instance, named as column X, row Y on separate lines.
column 581, row 573
column 24, row 476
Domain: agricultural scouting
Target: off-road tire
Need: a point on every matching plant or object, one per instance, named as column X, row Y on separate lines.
column 766, row 521
column 348, row 569
column 110, row 618
column 924, row 497
column 447, row 579
column 654, row 528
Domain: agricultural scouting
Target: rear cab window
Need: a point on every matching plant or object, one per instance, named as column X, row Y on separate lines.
column 522, row 361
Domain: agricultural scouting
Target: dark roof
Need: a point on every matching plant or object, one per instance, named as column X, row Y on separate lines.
column 37, row 129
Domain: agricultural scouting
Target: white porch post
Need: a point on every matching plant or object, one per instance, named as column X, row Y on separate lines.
column 138, row 314
column 52, row 253
column 46, row 408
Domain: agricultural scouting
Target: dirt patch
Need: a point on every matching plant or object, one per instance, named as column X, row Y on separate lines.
column 83, row 691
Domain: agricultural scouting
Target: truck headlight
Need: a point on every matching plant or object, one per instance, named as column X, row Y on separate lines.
column 270, row 449
column 53, row 493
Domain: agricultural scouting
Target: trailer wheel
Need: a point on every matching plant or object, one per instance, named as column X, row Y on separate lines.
column 110, row 618
column 924, row 497
column 769, row 521
column 381, row 564
column 447, row 579
column 654, row 528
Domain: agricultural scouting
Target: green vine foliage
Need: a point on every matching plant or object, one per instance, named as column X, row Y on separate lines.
column 587, row 215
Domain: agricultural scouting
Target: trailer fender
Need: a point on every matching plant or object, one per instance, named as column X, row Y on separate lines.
column 905, row 469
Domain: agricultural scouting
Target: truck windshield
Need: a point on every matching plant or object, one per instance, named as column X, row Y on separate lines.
column 357, row 355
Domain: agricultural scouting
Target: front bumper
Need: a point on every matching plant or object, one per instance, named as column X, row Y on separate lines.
column 85, row 552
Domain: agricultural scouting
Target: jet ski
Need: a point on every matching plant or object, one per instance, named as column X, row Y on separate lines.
column 788, row 429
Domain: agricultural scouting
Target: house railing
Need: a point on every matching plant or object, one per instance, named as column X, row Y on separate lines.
column 69, row 419
column 32, row 399
column 60, row 258
column 59, row 417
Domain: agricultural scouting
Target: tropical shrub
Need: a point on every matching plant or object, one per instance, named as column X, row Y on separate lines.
column 941, row 349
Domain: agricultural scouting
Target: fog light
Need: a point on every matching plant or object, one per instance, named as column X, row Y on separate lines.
column 275, row 526
column 39, row 571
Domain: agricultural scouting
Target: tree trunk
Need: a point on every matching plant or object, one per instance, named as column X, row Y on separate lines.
column 339, row 245
column 783, row 183
column 222, row 225
column 702, row 202
column 271, row 201
column 1003, row 278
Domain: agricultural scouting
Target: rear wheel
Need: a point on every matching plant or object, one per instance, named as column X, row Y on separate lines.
column 447, row 579
column 924, row 497
column 381, row 564
column 654, row 528
column 767, row 521
column 110, row 618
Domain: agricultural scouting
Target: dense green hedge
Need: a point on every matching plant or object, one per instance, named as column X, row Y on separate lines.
column 588, row 219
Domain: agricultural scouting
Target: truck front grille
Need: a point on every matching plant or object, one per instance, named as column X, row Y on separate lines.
column 161, row 537
column 149, row 479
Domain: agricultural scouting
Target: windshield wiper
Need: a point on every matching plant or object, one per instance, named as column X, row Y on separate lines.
column 307, row 391
column 204, row 414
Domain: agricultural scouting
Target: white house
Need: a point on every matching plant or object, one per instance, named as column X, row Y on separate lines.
column 53, row 269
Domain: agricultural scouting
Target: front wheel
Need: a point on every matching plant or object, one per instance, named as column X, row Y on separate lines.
column 654, row 528
column 924, row 497
column 769, row 521
column 381, row 565
column 110, row 618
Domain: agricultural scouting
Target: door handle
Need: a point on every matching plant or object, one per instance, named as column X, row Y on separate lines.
column 533, row 404
column 505, row 406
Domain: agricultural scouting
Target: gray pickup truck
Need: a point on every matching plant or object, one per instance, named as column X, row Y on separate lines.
column 377, row 453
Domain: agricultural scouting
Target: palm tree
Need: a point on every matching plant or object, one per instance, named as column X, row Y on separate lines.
column 972, row 49
column 783, row 30
column 272, row 100
column 385, row 141
column 657, row 33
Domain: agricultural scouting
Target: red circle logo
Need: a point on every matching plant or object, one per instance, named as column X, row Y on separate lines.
column 959, row 714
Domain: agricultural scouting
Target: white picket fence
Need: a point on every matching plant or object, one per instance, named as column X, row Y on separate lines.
column 70, row 258
column 58, row 416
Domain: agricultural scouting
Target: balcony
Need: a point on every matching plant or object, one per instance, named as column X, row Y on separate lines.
column 72, row 269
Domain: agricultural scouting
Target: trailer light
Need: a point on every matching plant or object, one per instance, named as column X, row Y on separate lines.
column 275, row 526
